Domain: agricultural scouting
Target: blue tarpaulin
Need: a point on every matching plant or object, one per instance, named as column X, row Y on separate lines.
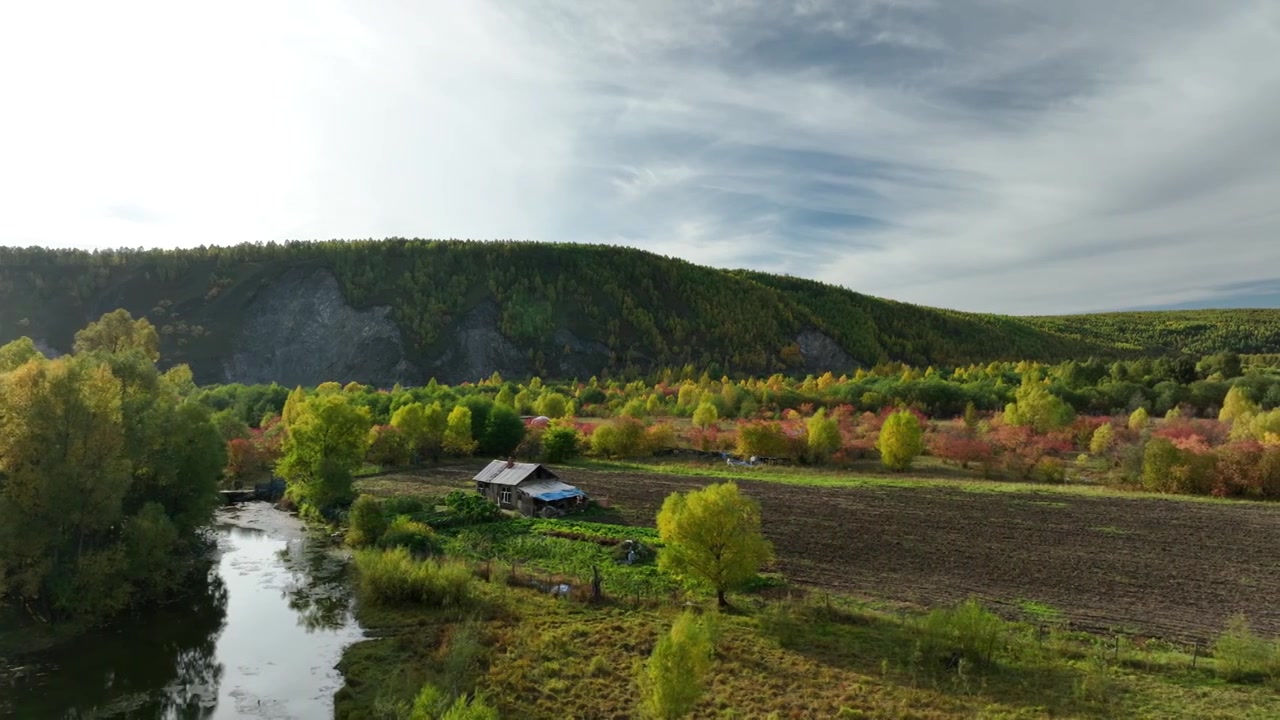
column 560, row 495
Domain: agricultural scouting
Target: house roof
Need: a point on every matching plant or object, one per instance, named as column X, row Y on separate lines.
column 498, row 473
column 549, row 490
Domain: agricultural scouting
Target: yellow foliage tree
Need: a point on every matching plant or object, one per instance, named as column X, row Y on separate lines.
column 712, row 537
column 901, row 440
column 673, row 678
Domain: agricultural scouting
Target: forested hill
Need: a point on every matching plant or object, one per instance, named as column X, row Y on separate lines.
column 407, row 310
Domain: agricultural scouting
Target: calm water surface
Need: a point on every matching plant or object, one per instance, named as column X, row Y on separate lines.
column 260, row 641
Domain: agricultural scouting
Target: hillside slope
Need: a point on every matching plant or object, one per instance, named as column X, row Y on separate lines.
column 407, row 310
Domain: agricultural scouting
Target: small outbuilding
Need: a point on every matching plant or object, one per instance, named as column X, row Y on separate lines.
column 530, row 488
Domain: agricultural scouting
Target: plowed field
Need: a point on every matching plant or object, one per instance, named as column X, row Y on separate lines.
column 1140, row 564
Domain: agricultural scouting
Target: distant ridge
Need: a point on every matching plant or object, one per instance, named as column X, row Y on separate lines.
column 406, row 310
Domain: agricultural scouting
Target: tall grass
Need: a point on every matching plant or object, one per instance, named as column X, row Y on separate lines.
column 1244, row 656
column 394, row 577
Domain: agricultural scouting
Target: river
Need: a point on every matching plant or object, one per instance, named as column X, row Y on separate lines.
column 260, row 641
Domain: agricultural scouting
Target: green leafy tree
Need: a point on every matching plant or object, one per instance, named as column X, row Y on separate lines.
column 712, row 537
column 635, row 408
column 674, row 677
column 505, row 398
column 107, row 476
column 457, row 432
column 117, row 332
column 65, row 474
column 901, row 440
column 1139, row 419
column 705, row 415
column 366, row 523
column 388, row 446
column 17, row 353
column 560, row 443
column 503, row 431
column 1034, row 406
column 326, row 444
column 411, row 421
column 552, row 405
column 823, row 435
column 229, row 425
column 620, row 437
column 525, row 400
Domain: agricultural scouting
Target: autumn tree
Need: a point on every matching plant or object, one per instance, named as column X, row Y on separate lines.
column 108, row 472
column 1035, row 407
column 117, row 332
column 560, row 443
column 1237, row 405
column 1102, row 440
column 423, row 426
column 66, row 473
column 388, row 446
column 505, row 397
column 16, row 354
column 674, row 677
column 292, row 406
column 326, row 444
column 823, row 434
column 712, row 538
column 705, row 415
column 901, row 440
column 620, row 437
column 1139, row 419
column 457, row 433
column 552, row 405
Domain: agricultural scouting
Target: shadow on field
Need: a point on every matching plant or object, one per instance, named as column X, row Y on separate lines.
column 1018, row 675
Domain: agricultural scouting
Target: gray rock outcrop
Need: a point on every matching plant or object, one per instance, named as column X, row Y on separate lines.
column 299, row 330
column 820, row 353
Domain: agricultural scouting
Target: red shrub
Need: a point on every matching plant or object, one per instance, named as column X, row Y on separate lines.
column 958, row 447
column 1211, row 432
column 243, row 460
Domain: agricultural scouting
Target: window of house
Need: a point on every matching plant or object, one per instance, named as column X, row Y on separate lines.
column 506, row 497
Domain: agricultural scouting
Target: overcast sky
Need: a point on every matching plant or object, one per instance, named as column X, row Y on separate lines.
column 995, row 155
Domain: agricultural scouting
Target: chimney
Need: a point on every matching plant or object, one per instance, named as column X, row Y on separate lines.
column 511, row 462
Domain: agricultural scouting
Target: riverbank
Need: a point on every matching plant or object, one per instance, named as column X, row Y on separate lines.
column 261, row 637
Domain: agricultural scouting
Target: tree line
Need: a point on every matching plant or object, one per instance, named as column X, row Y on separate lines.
column 645, row 311
column 109, row 472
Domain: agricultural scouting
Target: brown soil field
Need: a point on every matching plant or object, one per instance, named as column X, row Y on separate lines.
column 1133, row 564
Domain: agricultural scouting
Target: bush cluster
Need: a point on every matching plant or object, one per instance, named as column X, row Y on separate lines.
column 395, row 577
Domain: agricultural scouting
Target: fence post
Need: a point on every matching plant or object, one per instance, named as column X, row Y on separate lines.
column 1195, row 654
column 1116, row 654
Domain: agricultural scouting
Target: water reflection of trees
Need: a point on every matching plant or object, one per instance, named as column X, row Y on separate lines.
column 162, row 667
column 318, row 589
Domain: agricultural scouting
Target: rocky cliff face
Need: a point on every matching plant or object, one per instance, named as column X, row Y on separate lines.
column 820, row 353
column 299, row 330
column 479, row 349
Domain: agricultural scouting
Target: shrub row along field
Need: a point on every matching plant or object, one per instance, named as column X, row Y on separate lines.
column 1161, row 567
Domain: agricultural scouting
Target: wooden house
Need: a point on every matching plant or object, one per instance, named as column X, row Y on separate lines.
column 530, row 488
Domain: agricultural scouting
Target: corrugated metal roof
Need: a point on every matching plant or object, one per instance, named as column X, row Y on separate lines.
column 550, row 490
column 497, row 472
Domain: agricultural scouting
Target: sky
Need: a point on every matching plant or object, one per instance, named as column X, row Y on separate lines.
column 989, row 155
